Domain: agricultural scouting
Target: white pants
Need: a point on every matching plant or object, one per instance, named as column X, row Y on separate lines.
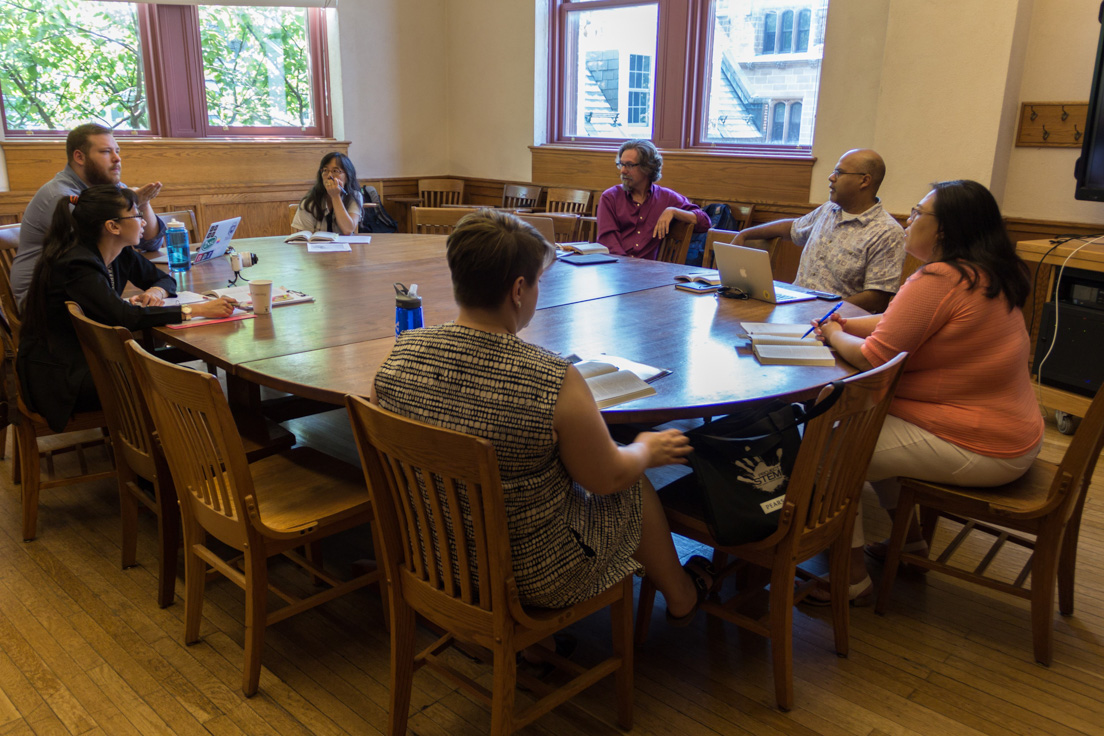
column 904, row 449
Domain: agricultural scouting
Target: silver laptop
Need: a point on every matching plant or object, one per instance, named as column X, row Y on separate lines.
column 214, row 244
column 749, row 270
column 544, row 226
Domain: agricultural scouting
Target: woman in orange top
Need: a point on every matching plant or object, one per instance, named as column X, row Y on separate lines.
column 964, row 411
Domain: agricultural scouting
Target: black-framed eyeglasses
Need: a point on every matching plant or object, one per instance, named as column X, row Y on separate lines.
column 129, row 217
column 916, row 212
column 625, row 165
column 838, row 173
column 332, row 172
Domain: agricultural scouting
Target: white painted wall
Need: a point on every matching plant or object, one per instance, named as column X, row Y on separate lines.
column 1060, row 52
column 393, row 84
column 491, row 88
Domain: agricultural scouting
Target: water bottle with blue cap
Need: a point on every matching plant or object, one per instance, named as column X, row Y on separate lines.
column 408, row 308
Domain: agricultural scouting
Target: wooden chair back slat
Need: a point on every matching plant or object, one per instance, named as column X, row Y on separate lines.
column 188, row 218
column 837, row 446
column 437, row 220
column 9, row 244
column 439, row 192
column 716, row 235
column 742, row 213
column 415, row 472
column 127, row 415
column 587, row 229
column 520, row 195
column 200, row 442
column 676, row 245
column 1079, row 462
column 568, row 200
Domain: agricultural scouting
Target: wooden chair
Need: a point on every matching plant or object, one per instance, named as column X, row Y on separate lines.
column 555, row 227
column 676, row 245
column 292, row 499
column 742, row 213
column 414, row 472
column 292, row 209
column 84, row 430
column 909, row 267
column 587, row 229
column 437, row 220
column 188, row 218
column 9, row 243
column 518, row 195
column 716, row 235
column 818, row 514
column 568, row 200
column 439, row 192
column 1046, row 503
column 138, row 455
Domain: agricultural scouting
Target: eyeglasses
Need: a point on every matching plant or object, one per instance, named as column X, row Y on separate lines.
column 625, row 165
column 916, row 212
column 129, row 217
column 837, row 173
column 332, row 172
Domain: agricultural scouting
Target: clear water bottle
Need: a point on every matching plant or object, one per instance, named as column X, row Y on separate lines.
column 176, row 242
column 408, row 308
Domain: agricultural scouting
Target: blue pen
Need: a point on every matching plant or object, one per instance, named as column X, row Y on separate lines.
column 822, row 319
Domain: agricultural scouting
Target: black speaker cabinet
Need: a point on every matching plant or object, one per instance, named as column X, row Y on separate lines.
column 1076, row 363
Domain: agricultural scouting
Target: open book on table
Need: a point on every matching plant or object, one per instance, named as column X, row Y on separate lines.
column 783, row 344
column 709, row 277
column 613, row 380
column 306, row 236
column 280, row 296
column 582, row 247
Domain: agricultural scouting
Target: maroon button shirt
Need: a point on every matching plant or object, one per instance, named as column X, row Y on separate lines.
column 626, row 227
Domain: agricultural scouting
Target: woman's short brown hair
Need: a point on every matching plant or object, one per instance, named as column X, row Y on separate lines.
column 487, row 252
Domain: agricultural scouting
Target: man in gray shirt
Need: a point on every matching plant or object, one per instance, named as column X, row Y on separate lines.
column 850, row 245
column 93, row 158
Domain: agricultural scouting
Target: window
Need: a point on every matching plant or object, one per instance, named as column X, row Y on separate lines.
column 132, row 68
column 686, row 73
column 608, row 68
column 770, row 32
column 640, row 90
column 785, row 38
column 793, row 127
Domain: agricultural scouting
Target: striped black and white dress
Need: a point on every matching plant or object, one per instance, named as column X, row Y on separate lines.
column 567, row 544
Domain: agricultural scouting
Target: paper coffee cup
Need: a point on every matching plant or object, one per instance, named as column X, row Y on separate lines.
column 261, row 292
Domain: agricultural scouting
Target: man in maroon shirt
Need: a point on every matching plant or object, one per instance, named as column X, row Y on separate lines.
column 633, row 218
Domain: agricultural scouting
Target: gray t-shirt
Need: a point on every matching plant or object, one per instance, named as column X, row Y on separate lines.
column 845, row 254
column 36, row 221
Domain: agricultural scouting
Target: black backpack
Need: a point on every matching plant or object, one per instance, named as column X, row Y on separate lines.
column 720, row 216
column 375, row 219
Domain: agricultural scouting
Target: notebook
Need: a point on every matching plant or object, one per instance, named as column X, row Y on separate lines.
column 749, row 270
column 214, row 244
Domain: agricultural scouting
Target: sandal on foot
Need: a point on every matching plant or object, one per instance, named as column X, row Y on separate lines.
column 878, row 551
column 701, row 574
column 858, row 594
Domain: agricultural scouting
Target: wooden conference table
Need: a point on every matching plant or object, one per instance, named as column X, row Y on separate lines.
column 332, row 346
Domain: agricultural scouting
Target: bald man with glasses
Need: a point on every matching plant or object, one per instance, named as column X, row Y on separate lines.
column 849, row 245
column 633, row 218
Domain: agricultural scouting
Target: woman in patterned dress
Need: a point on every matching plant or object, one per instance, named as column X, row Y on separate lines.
column 579, row 516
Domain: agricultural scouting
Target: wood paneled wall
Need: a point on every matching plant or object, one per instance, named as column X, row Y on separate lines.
column 699, row 176
column 258, row 180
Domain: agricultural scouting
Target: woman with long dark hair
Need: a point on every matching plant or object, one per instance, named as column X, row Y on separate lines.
column 964, row 411
column 334, row 202
column 88, row 258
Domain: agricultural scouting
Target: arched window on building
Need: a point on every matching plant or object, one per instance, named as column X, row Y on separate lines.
column 785, row 36
column 793, row 129
column 804, row 23
column 778, row 122
column 770, row 32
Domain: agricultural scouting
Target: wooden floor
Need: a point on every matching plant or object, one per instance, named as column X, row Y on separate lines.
column 84, row 649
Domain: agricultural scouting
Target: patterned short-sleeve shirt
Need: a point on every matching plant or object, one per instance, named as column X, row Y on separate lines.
column 845, row 254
